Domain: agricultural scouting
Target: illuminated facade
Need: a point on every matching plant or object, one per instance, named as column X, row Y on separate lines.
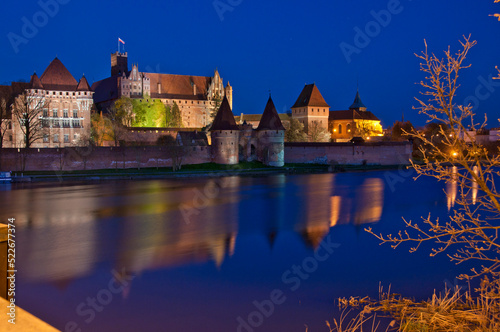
column 195, row 95
column 65, row 114
column 354, row 122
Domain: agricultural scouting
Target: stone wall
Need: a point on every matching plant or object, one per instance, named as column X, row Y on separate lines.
column 95, row 158
column 380, row 153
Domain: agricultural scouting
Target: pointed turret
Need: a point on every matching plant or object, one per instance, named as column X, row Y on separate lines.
column 225, row 135
column 35, row 82
column 270, row 119
column 224, row 120
column 83, row 85
column 358, row 104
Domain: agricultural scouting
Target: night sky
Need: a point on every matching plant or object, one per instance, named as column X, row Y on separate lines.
column 264, row 45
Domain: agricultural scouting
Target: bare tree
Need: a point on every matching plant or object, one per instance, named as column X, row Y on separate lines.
column 27, row 111
column 471, row 233
column 5, row 119
column 317, row 133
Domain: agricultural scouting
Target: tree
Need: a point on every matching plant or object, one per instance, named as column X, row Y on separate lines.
column 4, row 118
column 401, row 130
column 125, row 111
column 101, row 129
column 295, row 131
column 217, row 100
column 317, row 133
column 27, row 110
column 176, row 121
column 175, row 151
column 471, row 234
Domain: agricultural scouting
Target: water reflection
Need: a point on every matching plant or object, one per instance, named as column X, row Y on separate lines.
column 148, row 225
column 452, row 188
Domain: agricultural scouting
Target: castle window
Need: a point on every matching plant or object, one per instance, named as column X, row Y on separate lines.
column 340, row 129
column 10, row 138
column 75, row 113
column 65, row 113
column 54, row 113
column 66, row 138
column 56, row 138
column 348, row 127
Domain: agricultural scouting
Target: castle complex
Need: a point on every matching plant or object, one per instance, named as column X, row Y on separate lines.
column 195, row 95
column 62, row 106
column 231, row 142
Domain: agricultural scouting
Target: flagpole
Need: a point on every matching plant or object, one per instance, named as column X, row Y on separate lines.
column 118, row 45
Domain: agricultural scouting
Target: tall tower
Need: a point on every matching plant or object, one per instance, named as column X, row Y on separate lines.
column 271, row 137
column 119, row 63
column 228, row 92
column 311, row 107
column 225, row 136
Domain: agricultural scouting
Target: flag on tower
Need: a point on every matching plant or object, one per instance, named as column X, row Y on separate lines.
column 121, row 41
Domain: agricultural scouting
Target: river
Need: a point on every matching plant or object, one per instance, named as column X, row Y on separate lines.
column 252, row 253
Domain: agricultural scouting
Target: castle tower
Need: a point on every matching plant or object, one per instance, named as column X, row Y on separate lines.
column 228, row 92
column 225, row 135
column 311, row 107
column 358, row 104
column 271, row 137
column 119, row 63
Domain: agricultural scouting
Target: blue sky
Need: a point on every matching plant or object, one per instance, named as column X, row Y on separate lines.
column 264, row 45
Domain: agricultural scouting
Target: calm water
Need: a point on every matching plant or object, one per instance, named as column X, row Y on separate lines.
column 204, row 254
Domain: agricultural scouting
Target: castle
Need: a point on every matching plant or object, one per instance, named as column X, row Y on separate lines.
column 62, row 104
column 231, row 142
column 195, row 95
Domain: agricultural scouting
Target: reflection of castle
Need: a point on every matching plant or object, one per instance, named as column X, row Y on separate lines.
column 151, row 229
column 193, row 94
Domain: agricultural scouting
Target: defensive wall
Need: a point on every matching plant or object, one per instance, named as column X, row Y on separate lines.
column 377, row 153
column 72, row 159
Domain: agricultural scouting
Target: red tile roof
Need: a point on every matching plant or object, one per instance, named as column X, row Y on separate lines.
column 83, row 85
column 35, row 82
column 224, row 120
column 270, row 119
column 57, row 77
column 310, row 96
column 352, row 114
column 178, row 86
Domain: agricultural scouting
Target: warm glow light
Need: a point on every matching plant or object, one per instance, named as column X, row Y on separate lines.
column 368, row 137
column 335, row 130
column 454, row 154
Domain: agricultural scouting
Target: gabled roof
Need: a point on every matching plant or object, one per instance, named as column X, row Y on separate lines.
column 57, row 77
column 270, row 119
column 35, row 82
column 178, row 86
column 352, row 114
column 83, row 85
column 106, row 89
column 310, row 96
column 357, row 102
column 224, row 120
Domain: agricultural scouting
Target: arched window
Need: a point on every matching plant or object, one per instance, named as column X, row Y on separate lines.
column 340, row 129
column 348, row 127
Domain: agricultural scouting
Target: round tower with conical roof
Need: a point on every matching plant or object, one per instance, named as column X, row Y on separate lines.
column 271, row 137
column 225, row 135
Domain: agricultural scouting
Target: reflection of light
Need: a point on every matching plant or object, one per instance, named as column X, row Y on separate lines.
column 474, row 187
column 335, row 210
column 335, row 130
column 451, row 189
column 370, row 200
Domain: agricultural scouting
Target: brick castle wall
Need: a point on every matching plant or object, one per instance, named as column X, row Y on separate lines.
column 380, row 153
column 73, row 159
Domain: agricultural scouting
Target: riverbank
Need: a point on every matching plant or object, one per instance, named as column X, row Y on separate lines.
column 198, row 170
